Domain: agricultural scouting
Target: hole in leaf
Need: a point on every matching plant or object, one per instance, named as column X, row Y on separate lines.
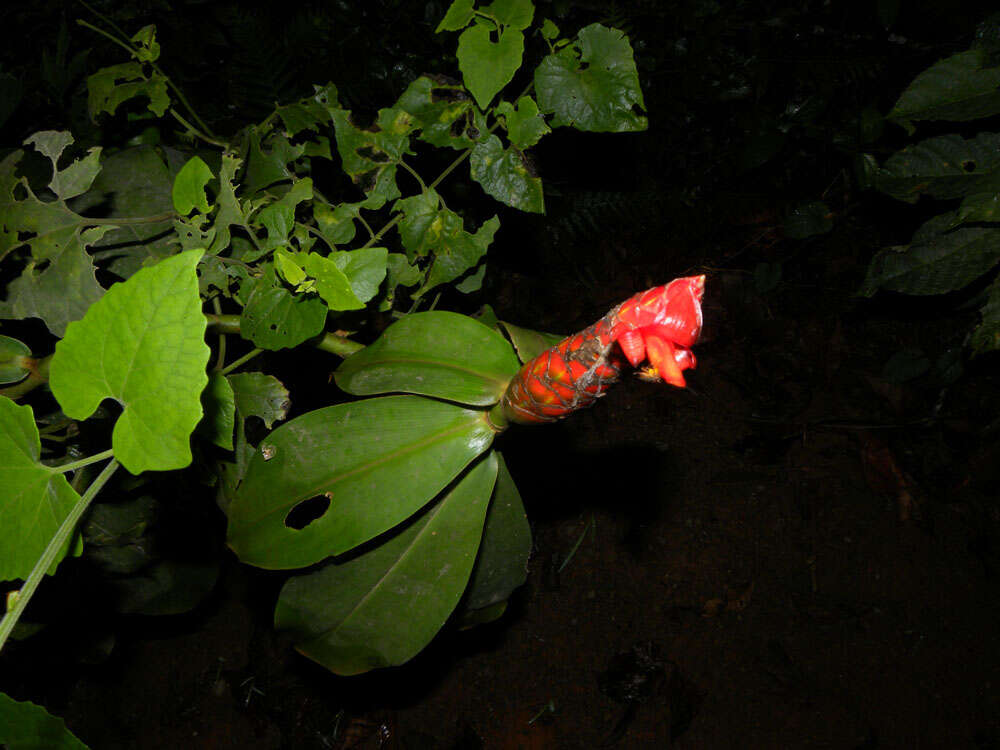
column 42, row 265
column 969, row 165
column 307, row 511
column 367, row 180
column 495, row 36
column 273, row 326
column 584, row 65
column 368, row 152
column 448, row 95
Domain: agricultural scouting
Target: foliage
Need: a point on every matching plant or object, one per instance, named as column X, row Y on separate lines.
column 131, row 247
column 957, row 249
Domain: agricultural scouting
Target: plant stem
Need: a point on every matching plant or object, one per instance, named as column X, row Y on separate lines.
column 220, row 362
column 331, row 342
column 240, row 362
column 74, row 465
column 193, row 129
column 56, row 543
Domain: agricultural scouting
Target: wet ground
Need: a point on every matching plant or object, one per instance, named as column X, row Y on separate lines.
column 801, row 550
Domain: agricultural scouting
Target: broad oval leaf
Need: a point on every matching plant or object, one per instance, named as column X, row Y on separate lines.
column 502, row 563
column 377, row 462
column 142, row 344
column 487, row 66
column 34, row 499
column 380, row 608
column 946, row 166
column 440, row 354
column 13, row 360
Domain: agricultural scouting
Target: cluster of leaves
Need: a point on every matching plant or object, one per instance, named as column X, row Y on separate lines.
column 955, row 249
column 130, row 255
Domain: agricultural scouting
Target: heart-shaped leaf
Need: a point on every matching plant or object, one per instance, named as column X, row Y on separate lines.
column 366, row 466
column 440, row 354
column 382, row 607
column 143, row 345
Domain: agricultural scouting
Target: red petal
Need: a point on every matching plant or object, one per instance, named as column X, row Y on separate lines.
column 632, row 345
column 662, row 356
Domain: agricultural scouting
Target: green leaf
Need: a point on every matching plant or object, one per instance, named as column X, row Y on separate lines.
column 287, row 267
column 440, row 354
column 364, row 268
column 146, row 47
column 369, row 157
column 336, row 224
column 549, row 29
column 267, row 166
column 436, row 105
column 279, row 217
column 986, row 336
column 948, row 166
column 310, row 113
column 189, row 187
column 488, row 66
column 592, row 84
column 143, row 345
column 77, row 177
column 376, row 461
column 64, row 289
column 13, row 366
column 982, row 207
column 111, row 87
column 457, row 17
column 135, row 182
column 507, row 175
column 26, row 726
column 382, row 607
column 273, row 318
column 525, row 125
column 422, row 225
column 958, row 88
column 514, row 13
column 937, row 261
column 218, row 403
column 808, row 220
column 260, row 395
column 528, row 343
column 502, row 564
column 458, row 252
column 34, row 499
column 331, row 283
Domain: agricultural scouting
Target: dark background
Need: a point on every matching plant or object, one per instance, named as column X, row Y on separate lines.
column 800, row 550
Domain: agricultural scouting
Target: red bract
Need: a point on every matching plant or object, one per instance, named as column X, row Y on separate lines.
column 659, row 325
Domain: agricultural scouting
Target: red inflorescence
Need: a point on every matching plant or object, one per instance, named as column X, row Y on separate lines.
column 659, row 325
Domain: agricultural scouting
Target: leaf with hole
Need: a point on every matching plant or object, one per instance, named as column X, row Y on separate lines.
column 364, row 467
column 382, row 606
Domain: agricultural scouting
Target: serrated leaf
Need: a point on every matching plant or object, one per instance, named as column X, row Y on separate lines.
column 457, row 17
column 34, row 499
column 958, row 88
column 986, row 336
column 26, row 726
column 141, row 344
column 502, row 562
column 219, row 406
column 77, row 177
column 525, row 124
column 507, row 175
column 440, row 354
column 260, row 395
column 273, row 318
column 488, row 66
column 937, row 261
column 377, row 461
column 443, row 111
column 13, row 366
column 63, row 290
column 947, row 166
column 111, row 87
column 189, row 187
column 592, row 84
column 382, row 607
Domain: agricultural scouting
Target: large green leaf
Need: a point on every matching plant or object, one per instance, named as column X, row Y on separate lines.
column 381, row 607
column 487, row 66
column 502, row 564
column 274, row 318
column 26, row 726
column 592, row 84
column 958, row 88
column 141, row 344
column 507, row 175
column 440, row 354
column 34, row 499
column 376, row 461
column 937, row 261
column 948, row 166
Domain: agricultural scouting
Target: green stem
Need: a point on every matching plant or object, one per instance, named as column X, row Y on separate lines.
column 331, row 342
column 224, row 323
column 106, row 35
column 412, row 171
column 207, row 138
column 220, row 361
column 74, row 465
column 240, row 362
column 56, row 543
